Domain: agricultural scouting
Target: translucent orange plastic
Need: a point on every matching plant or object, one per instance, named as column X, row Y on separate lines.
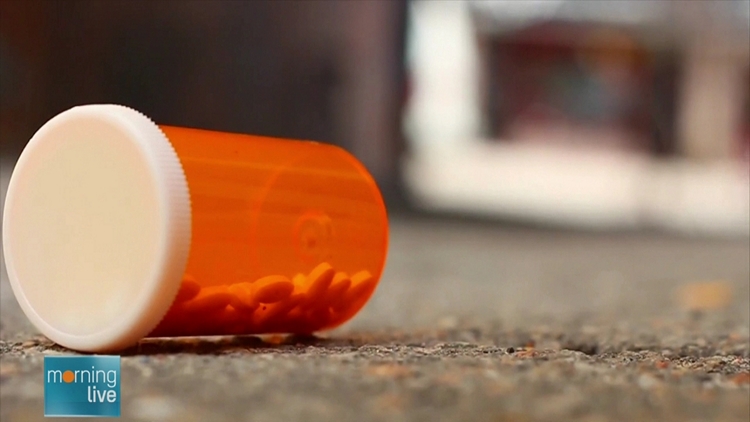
column 287, row 236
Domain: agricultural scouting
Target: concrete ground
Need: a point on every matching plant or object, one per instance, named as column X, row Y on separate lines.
column 471, row 322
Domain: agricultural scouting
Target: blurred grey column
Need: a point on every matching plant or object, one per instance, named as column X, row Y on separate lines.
column 24, row 49
column 370, row 106
column 716, row 65
column 330, row 71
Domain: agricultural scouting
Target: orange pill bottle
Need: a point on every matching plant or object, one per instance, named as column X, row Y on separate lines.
column 116, row 229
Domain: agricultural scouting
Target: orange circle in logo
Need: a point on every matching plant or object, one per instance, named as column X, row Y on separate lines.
column 68, row 376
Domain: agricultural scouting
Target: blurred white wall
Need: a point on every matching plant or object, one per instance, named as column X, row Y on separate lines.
column 454, row 165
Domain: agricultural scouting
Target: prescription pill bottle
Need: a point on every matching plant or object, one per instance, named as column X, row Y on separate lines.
column 116, row 229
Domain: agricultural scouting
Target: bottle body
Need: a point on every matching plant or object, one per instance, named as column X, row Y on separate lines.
column 287, row 236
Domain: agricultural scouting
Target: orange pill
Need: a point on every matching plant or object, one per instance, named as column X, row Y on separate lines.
column 295, row 321
column 218, row 321
column 242, row 298
column 362, row 282
column 318, row 318
column 188, row 289
column 340, row 277
column 339, row 286
column 227, row 316
column 318, row 281
column 210, row 299
column 234, row 329
column 279, row 310
column 272, row 289
column 299, row 280
column 168, row 322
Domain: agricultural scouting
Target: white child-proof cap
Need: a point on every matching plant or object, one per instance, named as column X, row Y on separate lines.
column 97, row 227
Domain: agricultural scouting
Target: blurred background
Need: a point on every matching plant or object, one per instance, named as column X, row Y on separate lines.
column 613, row 115
column 557, row 145
column 326, row 71
column 604, row 115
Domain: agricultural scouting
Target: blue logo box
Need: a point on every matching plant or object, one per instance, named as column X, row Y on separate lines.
column 82, row 386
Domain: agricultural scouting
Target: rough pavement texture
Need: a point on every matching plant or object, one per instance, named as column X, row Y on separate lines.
column 471, row 322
